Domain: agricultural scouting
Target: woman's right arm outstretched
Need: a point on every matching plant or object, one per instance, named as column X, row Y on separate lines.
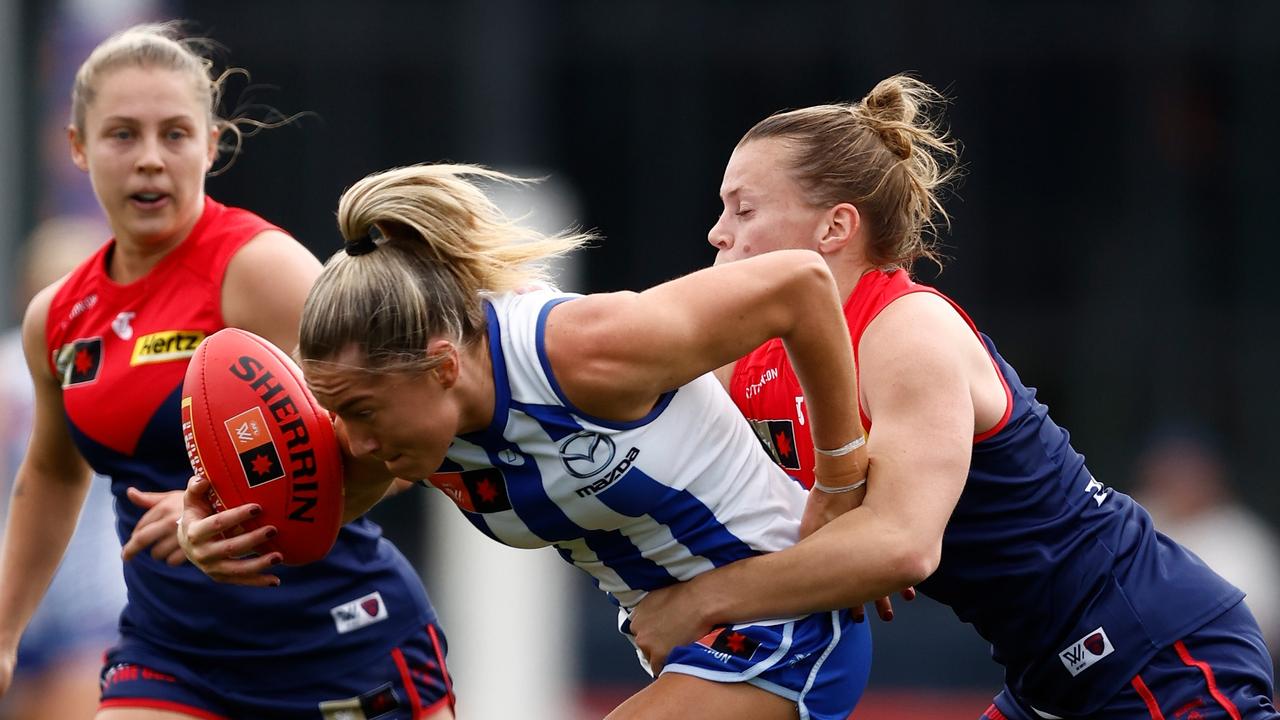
column 47, row 495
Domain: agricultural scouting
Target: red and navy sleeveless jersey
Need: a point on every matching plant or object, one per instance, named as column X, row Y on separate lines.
column 1064, row 576
column 121, row 352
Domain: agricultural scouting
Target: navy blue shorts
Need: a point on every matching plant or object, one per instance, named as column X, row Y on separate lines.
column 1220, row 671
column 408, row 683
column 820, row 662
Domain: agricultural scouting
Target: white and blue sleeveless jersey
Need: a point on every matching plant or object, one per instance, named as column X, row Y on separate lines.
column 638, row 505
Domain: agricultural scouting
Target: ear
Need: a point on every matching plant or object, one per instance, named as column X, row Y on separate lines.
column 78, row 155
column 842, row 224
column 446, row 373
column 214, row 133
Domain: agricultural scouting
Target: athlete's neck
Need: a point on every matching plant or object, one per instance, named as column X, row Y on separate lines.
column 132, row 257
column 476, row 387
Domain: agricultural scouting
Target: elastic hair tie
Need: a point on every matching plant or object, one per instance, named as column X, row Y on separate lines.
column 843, row 449
column 365, row 244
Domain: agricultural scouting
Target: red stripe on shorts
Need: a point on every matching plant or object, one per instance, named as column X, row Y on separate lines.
column 1208, row 679
column 415, row 702
column 1145, row 693
column 160, row 705
column 993, row 713
column 444, row 670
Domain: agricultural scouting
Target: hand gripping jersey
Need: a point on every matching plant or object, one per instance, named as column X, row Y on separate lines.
column 121, row 352
column 1064, row 576
column 637, row 505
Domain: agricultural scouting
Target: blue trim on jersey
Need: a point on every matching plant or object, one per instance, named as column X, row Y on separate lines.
column 501, row 385
column 658, row 407
column 556, row 420
column 616, row 552
column 544, row 518
column 691, row 522
column 529, row 499
column 478, row 520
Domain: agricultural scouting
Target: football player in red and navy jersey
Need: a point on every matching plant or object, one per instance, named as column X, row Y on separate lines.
column 974, row 494
column 107, row 347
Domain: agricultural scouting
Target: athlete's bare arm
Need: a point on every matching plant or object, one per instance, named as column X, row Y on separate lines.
column 917, row 387
column 617, row 353
column 48, row 493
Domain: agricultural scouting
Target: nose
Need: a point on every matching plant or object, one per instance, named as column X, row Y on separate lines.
column 149, row 159
column 362, row 442
column 719, row 238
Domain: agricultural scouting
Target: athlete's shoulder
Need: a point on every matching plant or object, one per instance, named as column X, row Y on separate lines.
column 222, row 230
column 522, row 316
column 533, row 300
column 35, row 321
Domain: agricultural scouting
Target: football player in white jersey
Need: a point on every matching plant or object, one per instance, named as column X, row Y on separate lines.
column 590, row 423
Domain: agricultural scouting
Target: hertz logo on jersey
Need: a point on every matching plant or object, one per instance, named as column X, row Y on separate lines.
column 165, row 346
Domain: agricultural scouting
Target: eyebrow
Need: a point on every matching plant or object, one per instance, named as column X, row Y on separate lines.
column 350, row 403
column 164, row 121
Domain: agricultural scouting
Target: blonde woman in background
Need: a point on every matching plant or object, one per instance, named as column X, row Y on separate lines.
column 108, row 347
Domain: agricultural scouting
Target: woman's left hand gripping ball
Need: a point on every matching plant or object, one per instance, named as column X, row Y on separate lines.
column 217, row 543
column 155, row 529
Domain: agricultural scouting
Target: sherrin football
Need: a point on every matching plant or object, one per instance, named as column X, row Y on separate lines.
column 254, row 430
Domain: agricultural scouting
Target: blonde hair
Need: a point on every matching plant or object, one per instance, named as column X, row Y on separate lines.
column 166, row 46
column 425, row 244
column 885, row 154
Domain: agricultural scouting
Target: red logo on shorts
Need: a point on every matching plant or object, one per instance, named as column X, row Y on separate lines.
column 1095, row 644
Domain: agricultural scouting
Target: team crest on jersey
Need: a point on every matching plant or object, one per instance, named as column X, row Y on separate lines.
column 359, row 613
column 586, row 453
column 79, row 361
column 477, row 491
column 779, row 440
column 1086, row 651
column 370, row 706
column 165, row 346
column 725, row 643
column 252, row 440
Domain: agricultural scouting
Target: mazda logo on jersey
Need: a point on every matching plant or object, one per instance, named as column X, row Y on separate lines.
column 586, row 453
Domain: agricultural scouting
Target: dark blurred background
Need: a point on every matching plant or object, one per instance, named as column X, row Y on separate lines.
column 1113, row 232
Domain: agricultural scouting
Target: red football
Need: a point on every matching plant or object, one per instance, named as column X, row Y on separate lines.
column 254, row 430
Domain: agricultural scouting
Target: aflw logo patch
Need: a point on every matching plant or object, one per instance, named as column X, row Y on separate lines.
column 165, row 346
column 253, row 443
column 1086, row 651
column 359, row 612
